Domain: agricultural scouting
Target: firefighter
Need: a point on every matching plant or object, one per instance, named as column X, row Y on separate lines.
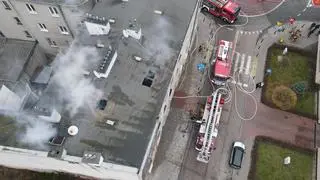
column 313, row 30
column 259, row 85
column 312, row 26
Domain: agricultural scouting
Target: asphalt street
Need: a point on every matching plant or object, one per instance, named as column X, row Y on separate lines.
column 244, row 33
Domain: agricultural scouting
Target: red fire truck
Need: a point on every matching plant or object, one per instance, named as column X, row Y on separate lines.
column 222, row 63
column 227, row 10
column 209, row 127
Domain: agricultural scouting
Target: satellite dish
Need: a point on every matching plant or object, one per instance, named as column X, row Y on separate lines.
column 73, row 130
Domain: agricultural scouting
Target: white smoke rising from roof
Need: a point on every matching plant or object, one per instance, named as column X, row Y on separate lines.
column 157, row 45
column 69, row 70
column 37, row 132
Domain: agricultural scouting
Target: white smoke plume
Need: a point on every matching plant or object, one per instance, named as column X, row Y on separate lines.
column 73, row 87
column 30, row 130
column 157, row 45
column 37, row 132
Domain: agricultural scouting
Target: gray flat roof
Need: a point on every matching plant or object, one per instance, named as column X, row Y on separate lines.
column 13, row 56
column 132, row 106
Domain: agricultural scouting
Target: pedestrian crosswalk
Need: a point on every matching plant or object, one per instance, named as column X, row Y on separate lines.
column 250, row 32
column 241, row 62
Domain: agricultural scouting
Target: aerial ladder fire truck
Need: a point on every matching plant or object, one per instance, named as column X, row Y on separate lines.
column 222, row 63
column 209, row 127
column 227, row 10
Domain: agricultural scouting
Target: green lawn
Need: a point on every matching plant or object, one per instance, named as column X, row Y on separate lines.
column 295, row 69
column 269, row 165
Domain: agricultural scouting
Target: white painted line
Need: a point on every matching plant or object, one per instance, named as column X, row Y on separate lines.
column 242, row 62
column 230, row 29
column 239, row 83
column 263, row 14
column 248, row 65
column 304, row 9
column 309, row 4
column 235, row 65
column 299, row 14
column 260, row 31
column 241, row 32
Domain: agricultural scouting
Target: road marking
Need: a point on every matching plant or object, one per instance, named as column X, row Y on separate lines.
column 241, row 32
column 235, row 43
column 242, row 62
column 309, row 4
column 299, row 14
column 304, row 9
column 230, row 29
column 260, row 31
column 235, row 65
column 248, row 65
column 254, row 67
column 263, row 14
column 239, row 83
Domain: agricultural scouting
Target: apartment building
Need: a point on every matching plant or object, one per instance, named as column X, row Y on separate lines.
column 53, row 23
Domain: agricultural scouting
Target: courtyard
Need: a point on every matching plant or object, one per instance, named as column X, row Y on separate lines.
column 268, row 161
column 291, row 81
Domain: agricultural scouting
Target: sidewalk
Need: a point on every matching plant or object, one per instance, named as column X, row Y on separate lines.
column 275, row 123
column 177, row 131
column 270, row 37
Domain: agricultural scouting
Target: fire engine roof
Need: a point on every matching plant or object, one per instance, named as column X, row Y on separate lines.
column 224, row 50
column 232, row 7
column 222, row 68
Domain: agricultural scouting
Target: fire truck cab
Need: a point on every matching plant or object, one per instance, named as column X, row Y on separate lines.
column 227, row 10
column 222, row 63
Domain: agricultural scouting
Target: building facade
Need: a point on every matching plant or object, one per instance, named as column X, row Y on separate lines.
column 52, row 23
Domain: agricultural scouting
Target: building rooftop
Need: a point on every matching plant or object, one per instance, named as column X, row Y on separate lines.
column 60, row 2
column 14, row 55
column 134, row 89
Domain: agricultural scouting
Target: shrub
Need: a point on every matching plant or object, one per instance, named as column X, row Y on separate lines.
column 284, row 98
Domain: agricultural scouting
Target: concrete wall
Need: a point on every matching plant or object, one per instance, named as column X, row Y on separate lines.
column 69, row 16
column 318, row 63
column 37, row 59
column 52, row 23
column 74, row 14
column 38, row 160
column 9, row 26
column 165, row 108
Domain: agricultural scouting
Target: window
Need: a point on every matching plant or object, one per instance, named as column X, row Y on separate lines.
column 18, row 21
column 42, row 27
column 54, row 11
column 6, row 5
column 28, row 34
column 52, row 43
column 63, row 30
column 31, row 9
